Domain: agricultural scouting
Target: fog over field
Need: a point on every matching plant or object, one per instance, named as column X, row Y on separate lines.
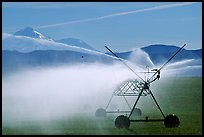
column 53, row 92
column 47, row 93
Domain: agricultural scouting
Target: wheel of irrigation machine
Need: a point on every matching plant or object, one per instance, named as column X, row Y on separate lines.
column 100, row 112
column 122, row 122
column 171, row 121
column 137, row 112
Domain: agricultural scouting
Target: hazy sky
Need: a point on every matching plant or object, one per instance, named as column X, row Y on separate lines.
column 122, row 26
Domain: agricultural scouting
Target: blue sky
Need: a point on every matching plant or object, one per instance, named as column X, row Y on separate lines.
column 122, row 26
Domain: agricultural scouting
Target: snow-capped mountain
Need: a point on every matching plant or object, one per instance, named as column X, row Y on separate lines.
column 30, row 32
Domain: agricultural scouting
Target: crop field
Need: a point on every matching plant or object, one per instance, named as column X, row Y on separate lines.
column 179, row 96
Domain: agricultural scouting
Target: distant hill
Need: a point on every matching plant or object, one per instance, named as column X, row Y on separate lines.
column 14, row 60
column 164, row 52
column 161, row 53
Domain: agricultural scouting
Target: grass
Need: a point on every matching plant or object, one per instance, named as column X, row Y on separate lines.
column 182, row 96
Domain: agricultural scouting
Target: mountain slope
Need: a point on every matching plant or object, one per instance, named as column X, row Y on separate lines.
column 75, row 42
column 14, row 60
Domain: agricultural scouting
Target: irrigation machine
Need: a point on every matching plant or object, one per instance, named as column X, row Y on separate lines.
column 137, row 88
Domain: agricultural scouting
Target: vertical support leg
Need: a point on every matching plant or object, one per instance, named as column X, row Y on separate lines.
column 109, row 102
column 135, row 103
column 156, row 103
column 127, row 102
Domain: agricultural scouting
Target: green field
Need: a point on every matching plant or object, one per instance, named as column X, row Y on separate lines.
column 181, row 96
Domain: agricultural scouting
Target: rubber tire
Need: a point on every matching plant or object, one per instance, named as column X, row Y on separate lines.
column 100, row 112
column 171, row 121
column 137, row 112
column 122, row 122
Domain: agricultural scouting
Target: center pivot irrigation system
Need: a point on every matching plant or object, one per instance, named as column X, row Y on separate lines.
column 137, row 88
